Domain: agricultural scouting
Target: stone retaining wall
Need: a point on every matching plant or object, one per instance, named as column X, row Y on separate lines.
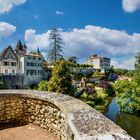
column 68, row 118
column 13, row 81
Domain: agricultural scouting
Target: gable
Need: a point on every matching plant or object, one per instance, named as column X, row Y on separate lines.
column 8, row 53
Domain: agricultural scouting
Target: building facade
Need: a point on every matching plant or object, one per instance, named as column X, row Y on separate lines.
column 18, row 62
column 32, row 68
column 99, row 62
column 8, row 62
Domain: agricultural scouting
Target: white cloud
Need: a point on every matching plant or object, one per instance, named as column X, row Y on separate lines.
column 59, row 13
column 124, row 64
column 6, row 29
column 7, row 5
column 90, row 40
column 130, row 5
column 35, row 41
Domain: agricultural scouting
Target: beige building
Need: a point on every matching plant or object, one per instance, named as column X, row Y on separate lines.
column 8, row 62
column 98, row 62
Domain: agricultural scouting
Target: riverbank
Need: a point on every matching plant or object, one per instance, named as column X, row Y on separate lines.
column 129, row 122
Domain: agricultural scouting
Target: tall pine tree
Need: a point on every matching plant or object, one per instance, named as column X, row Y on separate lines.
column 56, row 45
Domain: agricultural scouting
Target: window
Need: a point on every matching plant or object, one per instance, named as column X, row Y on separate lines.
column 39, row 64
column 13, row 71
column 6, row 63
column 31, row 72
column 39, row 72
column 27, row 63
column 35, row 72
column 32, row 64
column 6, row 71
column 13, row 64
column 28, row 72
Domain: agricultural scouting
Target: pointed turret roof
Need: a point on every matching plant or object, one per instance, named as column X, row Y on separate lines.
column 19, row 46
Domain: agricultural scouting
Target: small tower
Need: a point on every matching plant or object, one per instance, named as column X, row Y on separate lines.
column 20, row 50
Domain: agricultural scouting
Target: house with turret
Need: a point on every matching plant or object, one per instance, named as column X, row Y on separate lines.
column 17, row 62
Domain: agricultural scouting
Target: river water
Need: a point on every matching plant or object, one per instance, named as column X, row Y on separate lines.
column 130, row 123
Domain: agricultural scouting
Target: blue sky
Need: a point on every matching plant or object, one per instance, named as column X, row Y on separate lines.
column 107, row 27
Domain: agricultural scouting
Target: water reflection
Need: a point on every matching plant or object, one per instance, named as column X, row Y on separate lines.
column 128, row 122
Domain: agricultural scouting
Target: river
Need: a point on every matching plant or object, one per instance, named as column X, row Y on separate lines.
column 130, row 123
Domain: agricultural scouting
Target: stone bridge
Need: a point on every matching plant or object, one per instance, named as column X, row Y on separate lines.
column 65, row 116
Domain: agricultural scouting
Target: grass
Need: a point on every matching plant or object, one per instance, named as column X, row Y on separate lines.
column 100, row 93
column 99, row 102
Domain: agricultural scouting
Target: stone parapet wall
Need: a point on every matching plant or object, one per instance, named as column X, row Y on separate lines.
column 15, row 110
column 66, row 117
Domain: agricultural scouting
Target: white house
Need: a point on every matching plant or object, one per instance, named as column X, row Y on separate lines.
column 32, row 68
column 19, row 62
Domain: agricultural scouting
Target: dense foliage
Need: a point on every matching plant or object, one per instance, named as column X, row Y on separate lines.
column 107, row 87
column 72, row 59
column 137, row 70
column 61, row 79
column 128, row 96
column 128, row 92
column 124, row 72
column 76, row 65
column 43, row 86
column 91, row 92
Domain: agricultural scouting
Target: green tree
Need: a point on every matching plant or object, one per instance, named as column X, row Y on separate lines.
column 77, row 76
column 56, row 45
column 121, row 71
column 128, row 92
column 128, row 96
column 72, row 59
column 137, row 70
column 61, row 79
column 43, row 86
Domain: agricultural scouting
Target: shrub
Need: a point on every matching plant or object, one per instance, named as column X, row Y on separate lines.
column 43, row 86
column 34, row 86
